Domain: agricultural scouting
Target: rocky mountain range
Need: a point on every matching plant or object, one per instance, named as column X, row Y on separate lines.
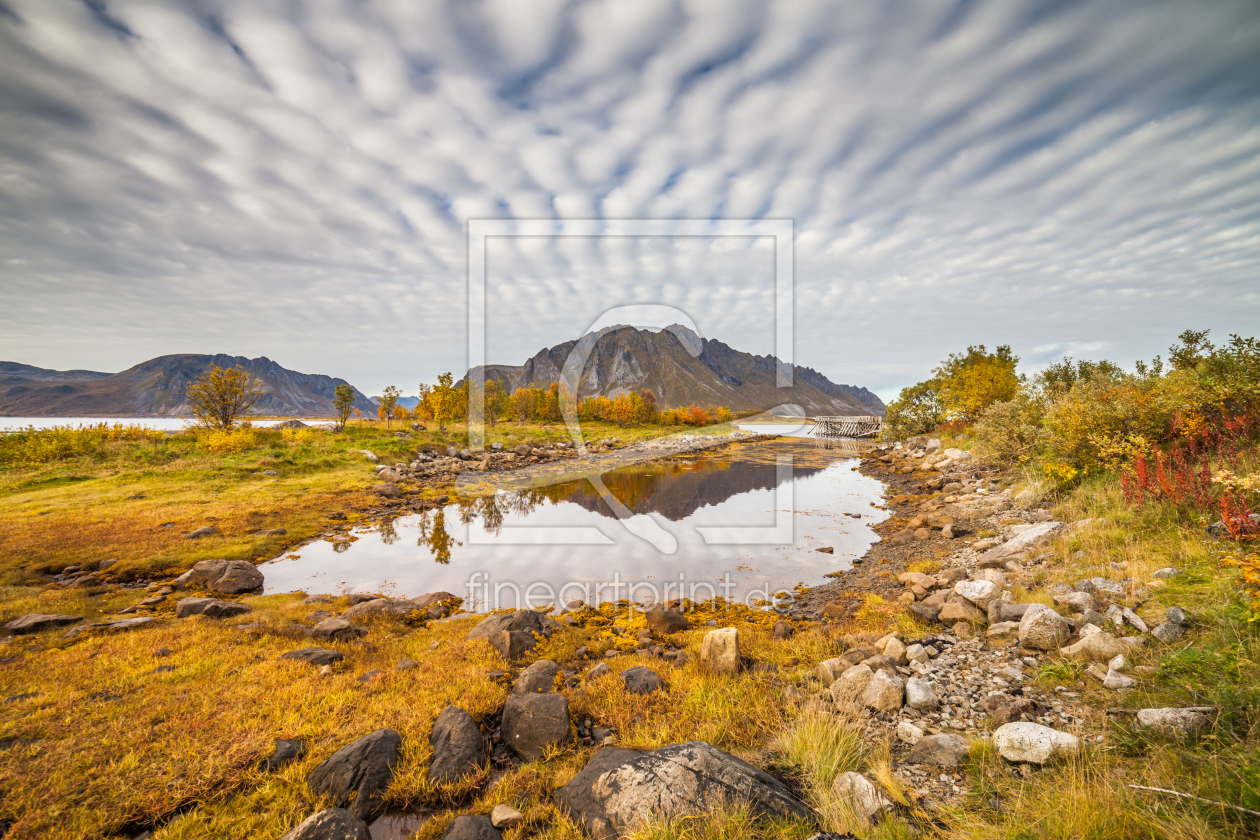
column 156, row 388
column 683, row 369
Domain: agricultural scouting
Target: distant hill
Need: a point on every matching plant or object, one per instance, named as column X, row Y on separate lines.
column 156, row 388
column 624, row 358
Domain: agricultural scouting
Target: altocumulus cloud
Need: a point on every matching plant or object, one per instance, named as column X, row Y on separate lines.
column 295, row 179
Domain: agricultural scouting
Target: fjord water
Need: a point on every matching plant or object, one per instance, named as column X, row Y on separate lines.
column 565, row 539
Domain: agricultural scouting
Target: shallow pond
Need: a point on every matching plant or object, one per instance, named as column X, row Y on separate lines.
column 743, row 522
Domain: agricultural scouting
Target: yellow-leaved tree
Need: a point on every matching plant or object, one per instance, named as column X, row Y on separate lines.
column 970, row 382
column 222, row 396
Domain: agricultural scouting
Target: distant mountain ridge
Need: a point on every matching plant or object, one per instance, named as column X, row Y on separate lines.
column 156, row 388
column 623, row 358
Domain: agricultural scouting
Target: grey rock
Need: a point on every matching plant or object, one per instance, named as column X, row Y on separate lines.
column 513, row 644
column 1131, row 618
column 641, row 680
column 539, row 678
column 458, row 748
column 34, row 622
column 527, row 621
column 1000, row 611
column 1166, row 573
column 469, row 827
column 665, row 621
column 1033, row 743
column 286, row 750
column 230, row 577
column 331, row 824
column 1043, row 629
column 1034, row 536
column 600, row 670
column 337, row 630
column 1169, row 632
column 1175, row 722
column 719, row 651
column 920, row 696
column 619, row 790
column 862, row 797
column 317, row 656
column 884, row 693
column 209, row 607
column 205, row 531
column 1176, row 615
column 356, row 775
column 534, row 722
column 941, row 750
column 378, row 607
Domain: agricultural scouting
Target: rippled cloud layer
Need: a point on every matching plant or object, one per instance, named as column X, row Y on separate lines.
column 295, row 180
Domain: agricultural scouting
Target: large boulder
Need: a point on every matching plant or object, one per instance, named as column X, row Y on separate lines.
column 355, row 776
column 665, row 621
column 863, row 798
column 1033, row 743
column 978, row 592
column 539, row 678
column 920, row 696
column 209, row 607
column 1019, row 545
column 719, row 652
column 1175, row 722
column 830, row 670
column 513, row 644
column 641, row 680
column 337, row 630
column 520, row 621
column 960, row 610
column 470, row 827
column 942, row 750
column 436, row 604
column 620, row 790
column 884, row 693
column 1097, row 647
column 230, row 577
column 330, row 824
column 849, row 686
column 534, row 722
column 458, row 748
column 381, row 606
column 34, row 622
column 314, row 656
column 1000, row 611
column 1043, row 629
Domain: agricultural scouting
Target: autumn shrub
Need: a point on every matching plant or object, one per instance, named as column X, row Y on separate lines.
column 227, row 441
column 32, row 447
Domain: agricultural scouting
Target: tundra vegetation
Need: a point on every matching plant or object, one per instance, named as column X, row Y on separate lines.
column 169, row 726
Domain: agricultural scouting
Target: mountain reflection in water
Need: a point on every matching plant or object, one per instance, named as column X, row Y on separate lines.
column 740, row 486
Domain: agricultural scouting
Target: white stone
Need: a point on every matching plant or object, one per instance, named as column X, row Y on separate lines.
column 920, row 696
column 1173, row 721
column 719, row 651
column 916, row 653
column 978, row 592
column 862, row 797
column 829, row 671
column 1117, row 680
column 505, row 816
column 1033, row 743
column 1041, row 628
column 884, row 693
column 1120, row 663
column 908, row 732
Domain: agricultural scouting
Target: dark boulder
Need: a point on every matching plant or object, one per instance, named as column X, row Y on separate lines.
column 469, row 827
column 526, row 621
column 783, row 630
column 641, row 680
column 458, row 748
column 286, row 750
column 332, row 824
column 513, row 644
column 619, row 790
column 34, row 622
column 230, row 577
column 539, row 678
column 314, row 656
column 533, row 722
column 209, row 607
column 665, row 621
column 338, row 630
column 355, row 776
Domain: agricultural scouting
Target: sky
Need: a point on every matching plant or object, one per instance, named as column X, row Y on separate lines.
column 296, row 180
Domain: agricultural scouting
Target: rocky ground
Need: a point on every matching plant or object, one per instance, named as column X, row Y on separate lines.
column 965, row 569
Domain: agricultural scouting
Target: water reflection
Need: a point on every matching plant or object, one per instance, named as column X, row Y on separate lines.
column 509, row 537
